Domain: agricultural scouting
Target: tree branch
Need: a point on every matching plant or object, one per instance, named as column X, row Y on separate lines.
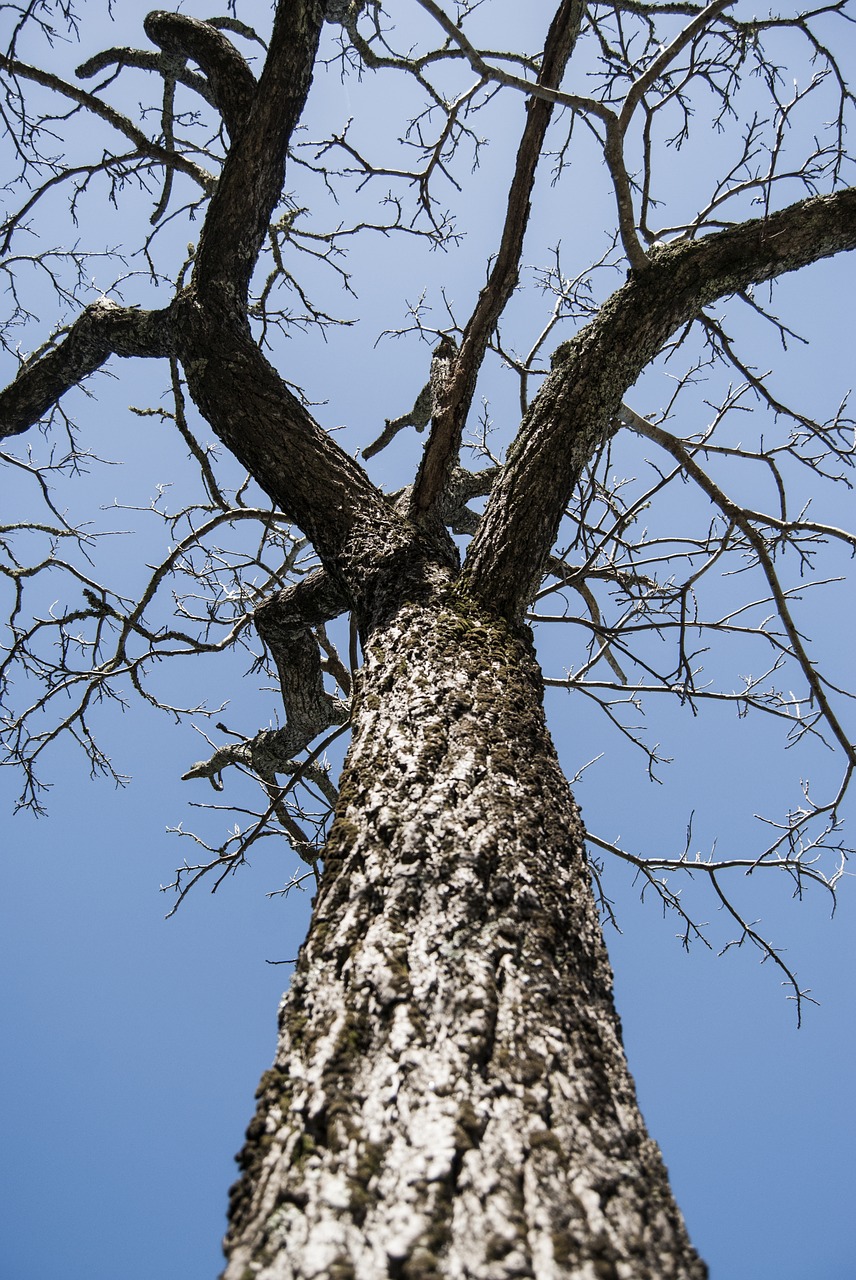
column 231, row 82
column 112, row 117
column 253, row 173
column 100, row 331
column 354, row 530
column 143, row 60
column 744, row 521
column 577, row 407
column 441, row 451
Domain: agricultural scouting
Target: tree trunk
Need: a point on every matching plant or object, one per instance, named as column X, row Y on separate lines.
column 450, row 1097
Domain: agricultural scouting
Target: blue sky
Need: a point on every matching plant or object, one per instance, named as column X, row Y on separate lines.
column 132, row 1044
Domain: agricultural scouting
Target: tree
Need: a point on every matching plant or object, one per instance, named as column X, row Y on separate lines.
column 450, row 1096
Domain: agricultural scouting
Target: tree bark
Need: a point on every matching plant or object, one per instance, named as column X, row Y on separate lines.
column 450, row 1097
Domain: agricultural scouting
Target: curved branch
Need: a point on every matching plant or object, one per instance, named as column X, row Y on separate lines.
column 231, row 82
column 310, row 602
column 577, row 407
column 143, row 60
column 613, row 154
column 100, row 331
column 667, row 55
column 295, row 650
column 112, row 117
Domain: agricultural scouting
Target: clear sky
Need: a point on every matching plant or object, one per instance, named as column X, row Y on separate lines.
column 132, row 1044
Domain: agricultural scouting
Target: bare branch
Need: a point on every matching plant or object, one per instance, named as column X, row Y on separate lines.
column 102, row 330
column 564, row 428
column 451, row 410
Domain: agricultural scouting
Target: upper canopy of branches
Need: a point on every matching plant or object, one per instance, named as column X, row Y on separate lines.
column 679, row 155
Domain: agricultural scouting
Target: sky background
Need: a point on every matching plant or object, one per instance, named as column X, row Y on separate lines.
column 131, row 1044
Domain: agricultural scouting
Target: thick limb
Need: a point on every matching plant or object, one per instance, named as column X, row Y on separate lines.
column 580, row 402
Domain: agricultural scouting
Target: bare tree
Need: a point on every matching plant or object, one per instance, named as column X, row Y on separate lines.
column 450, row 1095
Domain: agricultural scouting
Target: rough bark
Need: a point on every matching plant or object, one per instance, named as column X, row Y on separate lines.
column 253, row 174
column 450, row 1097
column 361, row 539
column 230, row 83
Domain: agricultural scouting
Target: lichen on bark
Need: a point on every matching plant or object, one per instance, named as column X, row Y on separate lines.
column 450, row 1097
